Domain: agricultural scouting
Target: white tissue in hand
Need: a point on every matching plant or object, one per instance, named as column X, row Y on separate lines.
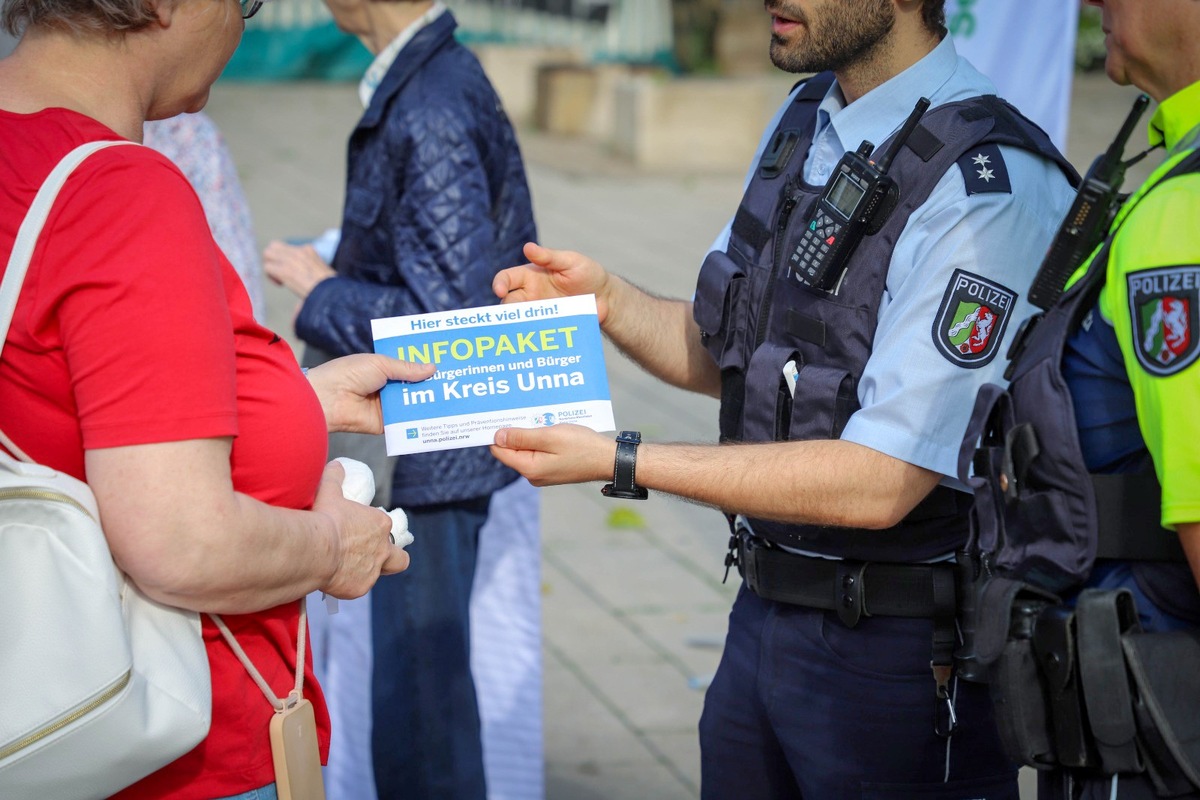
column 359, row 483
column 359, row 486
column 400, row 527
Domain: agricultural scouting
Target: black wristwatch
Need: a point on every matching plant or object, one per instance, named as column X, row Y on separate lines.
column 624, row 485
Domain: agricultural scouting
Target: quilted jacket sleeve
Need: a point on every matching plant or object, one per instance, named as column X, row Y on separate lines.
column 441, row 234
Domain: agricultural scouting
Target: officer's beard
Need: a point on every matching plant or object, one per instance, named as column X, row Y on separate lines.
column 845, row 34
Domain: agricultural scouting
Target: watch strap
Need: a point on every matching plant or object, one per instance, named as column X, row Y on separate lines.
column 624, row 485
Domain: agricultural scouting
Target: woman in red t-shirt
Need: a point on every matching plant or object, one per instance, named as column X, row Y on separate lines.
column 134, row 362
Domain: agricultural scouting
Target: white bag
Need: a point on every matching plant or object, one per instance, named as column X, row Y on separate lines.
column 99, row 685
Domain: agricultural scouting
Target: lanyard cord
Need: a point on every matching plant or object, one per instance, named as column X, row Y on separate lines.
column 279, row 704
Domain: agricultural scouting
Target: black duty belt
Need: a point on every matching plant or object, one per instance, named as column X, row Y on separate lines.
column 855, row 589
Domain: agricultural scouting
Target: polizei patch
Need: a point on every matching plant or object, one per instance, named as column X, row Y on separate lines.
column 1164, row 311
column 970, row 322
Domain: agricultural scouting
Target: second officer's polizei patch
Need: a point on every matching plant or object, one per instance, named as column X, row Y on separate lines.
column 1165, row 312
column 970, row 322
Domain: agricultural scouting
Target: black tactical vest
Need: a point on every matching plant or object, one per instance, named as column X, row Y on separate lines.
column 754, row 319
column 1040, row 517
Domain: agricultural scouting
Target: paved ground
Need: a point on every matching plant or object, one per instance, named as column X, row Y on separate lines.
column 634, row 605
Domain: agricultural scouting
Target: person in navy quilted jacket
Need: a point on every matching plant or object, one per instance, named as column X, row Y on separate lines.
column 436, row 204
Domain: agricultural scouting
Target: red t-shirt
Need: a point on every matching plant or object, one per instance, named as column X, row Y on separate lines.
column 133, row 328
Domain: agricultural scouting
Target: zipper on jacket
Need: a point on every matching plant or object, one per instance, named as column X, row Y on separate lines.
column 791, row 197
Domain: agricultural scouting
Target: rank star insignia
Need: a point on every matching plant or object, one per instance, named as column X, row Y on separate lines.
column 1164, row 309
column 971, row 319
column 984, row 171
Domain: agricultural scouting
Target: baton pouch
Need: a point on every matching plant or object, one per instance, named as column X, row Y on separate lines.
column 1101, row 617
column 1019, row 692
column 1166, row 689
column 1055, row 647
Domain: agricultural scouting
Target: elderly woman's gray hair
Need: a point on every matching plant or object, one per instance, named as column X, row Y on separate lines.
column 81, row 16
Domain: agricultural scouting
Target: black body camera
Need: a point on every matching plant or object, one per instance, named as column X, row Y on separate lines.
column 857, row 201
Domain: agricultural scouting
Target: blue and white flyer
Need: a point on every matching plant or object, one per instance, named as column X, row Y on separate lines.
column 519, row 365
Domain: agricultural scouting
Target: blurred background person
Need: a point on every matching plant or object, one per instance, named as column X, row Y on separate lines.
column 436, row 204
column 195, row 144
column 505, row 631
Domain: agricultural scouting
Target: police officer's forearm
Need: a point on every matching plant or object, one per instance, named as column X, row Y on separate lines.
column 661, row 336
column 817, row 482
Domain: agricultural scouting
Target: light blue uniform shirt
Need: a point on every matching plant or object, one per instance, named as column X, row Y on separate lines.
column 915, row 402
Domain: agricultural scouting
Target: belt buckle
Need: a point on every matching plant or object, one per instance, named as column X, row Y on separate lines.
column 849, row 596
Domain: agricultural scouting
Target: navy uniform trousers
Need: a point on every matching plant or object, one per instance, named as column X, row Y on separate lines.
column 804, row 707
column 1056, row 786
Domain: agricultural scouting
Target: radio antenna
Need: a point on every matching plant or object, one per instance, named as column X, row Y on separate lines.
column 906, row 130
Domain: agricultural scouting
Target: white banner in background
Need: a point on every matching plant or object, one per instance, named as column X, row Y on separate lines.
column 1027, row 48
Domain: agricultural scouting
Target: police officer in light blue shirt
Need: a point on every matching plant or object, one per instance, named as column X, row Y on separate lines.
column 846, row 382
column 992, row 218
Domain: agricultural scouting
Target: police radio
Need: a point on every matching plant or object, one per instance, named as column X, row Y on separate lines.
column 858, row 199
column 1090, row 216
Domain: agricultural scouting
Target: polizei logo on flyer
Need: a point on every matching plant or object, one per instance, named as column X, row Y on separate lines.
column 1164, row 311
column 971, row 319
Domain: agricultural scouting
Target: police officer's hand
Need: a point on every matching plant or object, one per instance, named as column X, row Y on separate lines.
column 551, row 274
column 556, row 454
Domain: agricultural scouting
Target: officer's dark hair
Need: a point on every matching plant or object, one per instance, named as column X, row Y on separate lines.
column 933, row 14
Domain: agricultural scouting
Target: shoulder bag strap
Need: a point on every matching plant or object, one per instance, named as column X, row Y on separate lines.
column 10, row 289
column 27, row 236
